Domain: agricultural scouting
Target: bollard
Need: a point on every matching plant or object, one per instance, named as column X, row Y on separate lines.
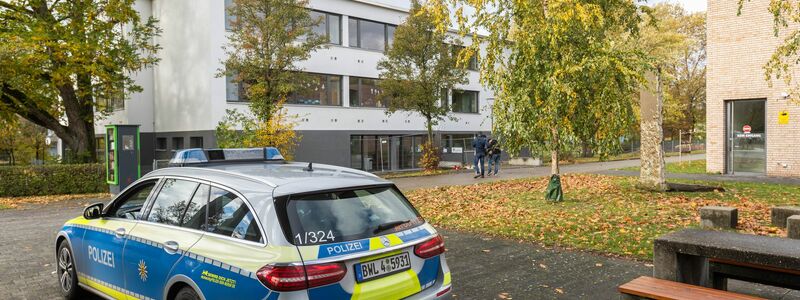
column 719, row 217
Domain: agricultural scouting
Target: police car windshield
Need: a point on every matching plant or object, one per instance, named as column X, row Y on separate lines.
column 348, row 215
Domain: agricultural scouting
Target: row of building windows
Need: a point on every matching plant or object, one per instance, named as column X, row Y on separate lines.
column 327, row 90
column 364, row 34
column 177, row 143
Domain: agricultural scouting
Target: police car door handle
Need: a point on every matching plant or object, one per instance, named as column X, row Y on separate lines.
column 120, row 232
column 171, row 247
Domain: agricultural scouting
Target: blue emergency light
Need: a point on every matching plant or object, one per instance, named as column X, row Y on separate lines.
column 204, row 156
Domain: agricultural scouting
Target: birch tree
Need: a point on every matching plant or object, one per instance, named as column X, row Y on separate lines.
column 557, row 66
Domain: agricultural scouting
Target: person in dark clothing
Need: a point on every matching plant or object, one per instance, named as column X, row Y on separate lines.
column 493, row 155
column 479, row 144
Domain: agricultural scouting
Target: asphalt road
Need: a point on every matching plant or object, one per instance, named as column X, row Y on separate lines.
column 483, row 268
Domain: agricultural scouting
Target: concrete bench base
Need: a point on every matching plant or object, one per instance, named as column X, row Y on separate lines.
column 719, row 217
column 793, row 227
column 780, row 213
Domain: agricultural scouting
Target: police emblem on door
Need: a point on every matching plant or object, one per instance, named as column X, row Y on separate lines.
column 142, row 270
column 385, row 241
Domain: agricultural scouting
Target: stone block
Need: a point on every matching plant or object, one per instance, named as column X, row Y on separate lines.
column 719, row 217
column 793, row 227
column 780, row 213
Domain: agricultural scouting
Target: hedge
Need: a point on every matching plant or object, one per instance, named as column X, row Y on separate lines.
column 52, row 180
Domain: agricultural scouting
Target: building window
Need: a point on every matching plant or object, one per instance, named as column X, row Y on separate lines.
column 112, row 105
column 161, row 144
column 370, row 35
column 473, row 60
column 390, row 35
column 364, row 93
column 444, row 99
column 465, row 101
column 196, row 142
column 228, row 17
column 321, row 90
column 177, row 143
column 234, row 91
column 100, row 147
column 329, row 26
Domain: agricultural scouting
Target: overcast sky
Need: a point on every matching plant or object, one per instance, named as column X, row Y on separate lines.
column 689, row 5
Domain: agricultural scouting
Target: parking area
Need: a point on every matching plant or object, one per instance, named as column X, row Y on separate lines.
column 483, row 268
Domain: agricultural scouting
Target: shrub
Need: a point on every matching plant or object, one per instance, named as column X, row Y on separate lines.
column 52, row 180
column 430, row 157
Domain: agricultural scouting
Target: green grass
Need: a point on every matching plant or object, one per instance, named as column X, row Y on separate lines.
column 686, row 167
column 2, row 207
column 605, row 214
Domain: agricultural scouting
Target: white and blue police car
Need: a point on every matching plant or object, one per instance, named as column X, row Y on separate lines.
column 245, row 224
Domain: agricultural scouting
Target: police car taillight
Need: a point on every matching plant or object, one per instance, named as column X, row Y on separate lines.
column 294, row 278
column 430, row 248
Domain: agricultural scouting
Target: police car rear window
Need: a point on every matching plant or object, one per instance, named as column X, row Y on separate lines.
column 348, row 215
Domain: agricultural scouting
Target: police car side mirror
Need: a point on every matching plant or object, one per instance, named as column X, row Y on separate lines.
column 93, row 211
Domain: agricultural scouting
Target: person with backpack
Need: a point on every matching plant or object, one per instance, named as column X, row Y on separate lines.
column 493, row 153
column 479, row 144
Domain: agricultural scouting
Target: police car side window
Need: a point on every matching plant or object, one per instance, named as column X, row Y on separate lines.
column 129, row 206
column 171, row 202
column 229, row 216
column 195, row 216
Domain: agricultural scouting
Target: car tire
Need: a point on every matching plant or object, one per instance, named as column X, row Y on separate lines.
column 67, row 274
column 187, row 293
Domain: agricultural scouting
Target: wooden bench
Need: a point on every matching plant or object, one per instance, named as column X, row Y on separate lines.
column 659, row 289
column 720, row 270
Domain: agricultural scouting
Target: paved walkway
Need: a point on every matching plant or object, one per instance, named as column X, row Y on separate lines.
column 514, row 173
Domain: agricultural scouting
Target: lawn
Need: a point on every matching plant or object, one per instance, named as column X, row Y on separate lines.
column 15, row 202
column 601, row 213
column 686, row 167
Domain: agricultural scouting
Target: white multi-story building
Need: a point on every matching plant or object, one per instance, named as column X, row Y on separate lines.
column 183, row 98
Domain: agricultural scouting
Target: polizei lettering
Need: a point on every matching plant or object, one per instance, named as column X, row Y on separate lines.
column 102, row 256
column 344, row 248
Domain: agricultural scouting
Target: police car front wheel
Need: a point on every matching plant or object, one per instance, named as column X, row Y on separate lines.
column 67, row 275
column 187, row 293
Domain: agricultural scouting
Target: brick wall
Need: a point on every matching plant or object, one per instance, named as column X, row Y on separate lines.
column 738, row 48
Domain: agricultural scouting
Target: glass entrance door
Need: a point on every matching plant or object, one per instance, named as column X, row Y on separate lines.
column 747, row 137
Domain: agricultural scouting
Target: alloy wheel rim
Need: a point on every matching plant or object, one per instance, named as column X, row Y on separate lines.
column 65, row 268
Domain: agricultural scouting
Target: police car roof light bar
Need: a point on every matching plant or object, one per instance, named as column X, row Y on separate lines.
column 203, row 156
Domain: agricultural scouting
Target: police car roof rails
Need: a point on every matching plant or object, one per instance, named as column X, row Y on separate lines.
column 198, row 156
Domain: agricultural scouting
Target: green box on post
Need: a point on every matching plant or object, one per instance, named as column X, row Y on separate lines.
column 122, row 156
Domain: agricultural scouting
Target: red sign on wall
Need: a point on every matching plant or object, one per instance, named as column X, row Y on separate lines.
column 747, row 128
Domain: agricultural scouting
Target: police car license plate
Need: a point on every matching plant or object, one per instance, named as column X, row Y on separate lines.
column 382, row 267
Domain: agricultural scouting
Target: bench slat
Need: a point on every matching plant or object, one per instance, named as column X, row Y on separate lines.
column 660, row 289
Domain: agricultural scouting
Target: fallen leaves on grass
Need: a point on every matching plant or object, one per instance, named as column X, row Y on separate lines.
column 15, row 202
column 601, row 213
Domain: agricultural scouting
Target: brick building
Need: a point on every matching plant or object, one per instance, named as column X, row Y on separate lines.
column 747, row 127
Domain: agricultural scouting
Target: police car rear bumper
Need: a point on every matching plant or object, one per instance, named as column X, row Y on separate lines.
column 442, row 292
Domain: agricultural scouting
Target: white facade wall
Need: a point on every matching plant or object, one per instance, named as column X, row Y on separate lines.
column 183, row 92
column 184, row 98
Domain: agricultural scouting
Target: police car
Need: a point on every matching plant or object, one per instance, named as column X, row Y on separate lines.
column 245, row 224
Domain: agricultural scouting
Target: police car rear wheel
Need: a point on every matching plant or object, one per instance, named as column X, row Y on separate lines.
column 67, row 276
column 187, row 293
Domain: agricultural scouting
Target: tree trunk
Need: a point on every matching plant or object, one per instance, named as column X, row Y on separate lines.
column 554, row 148
column 429, row 126
column 651, row 176
column 586, row 150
